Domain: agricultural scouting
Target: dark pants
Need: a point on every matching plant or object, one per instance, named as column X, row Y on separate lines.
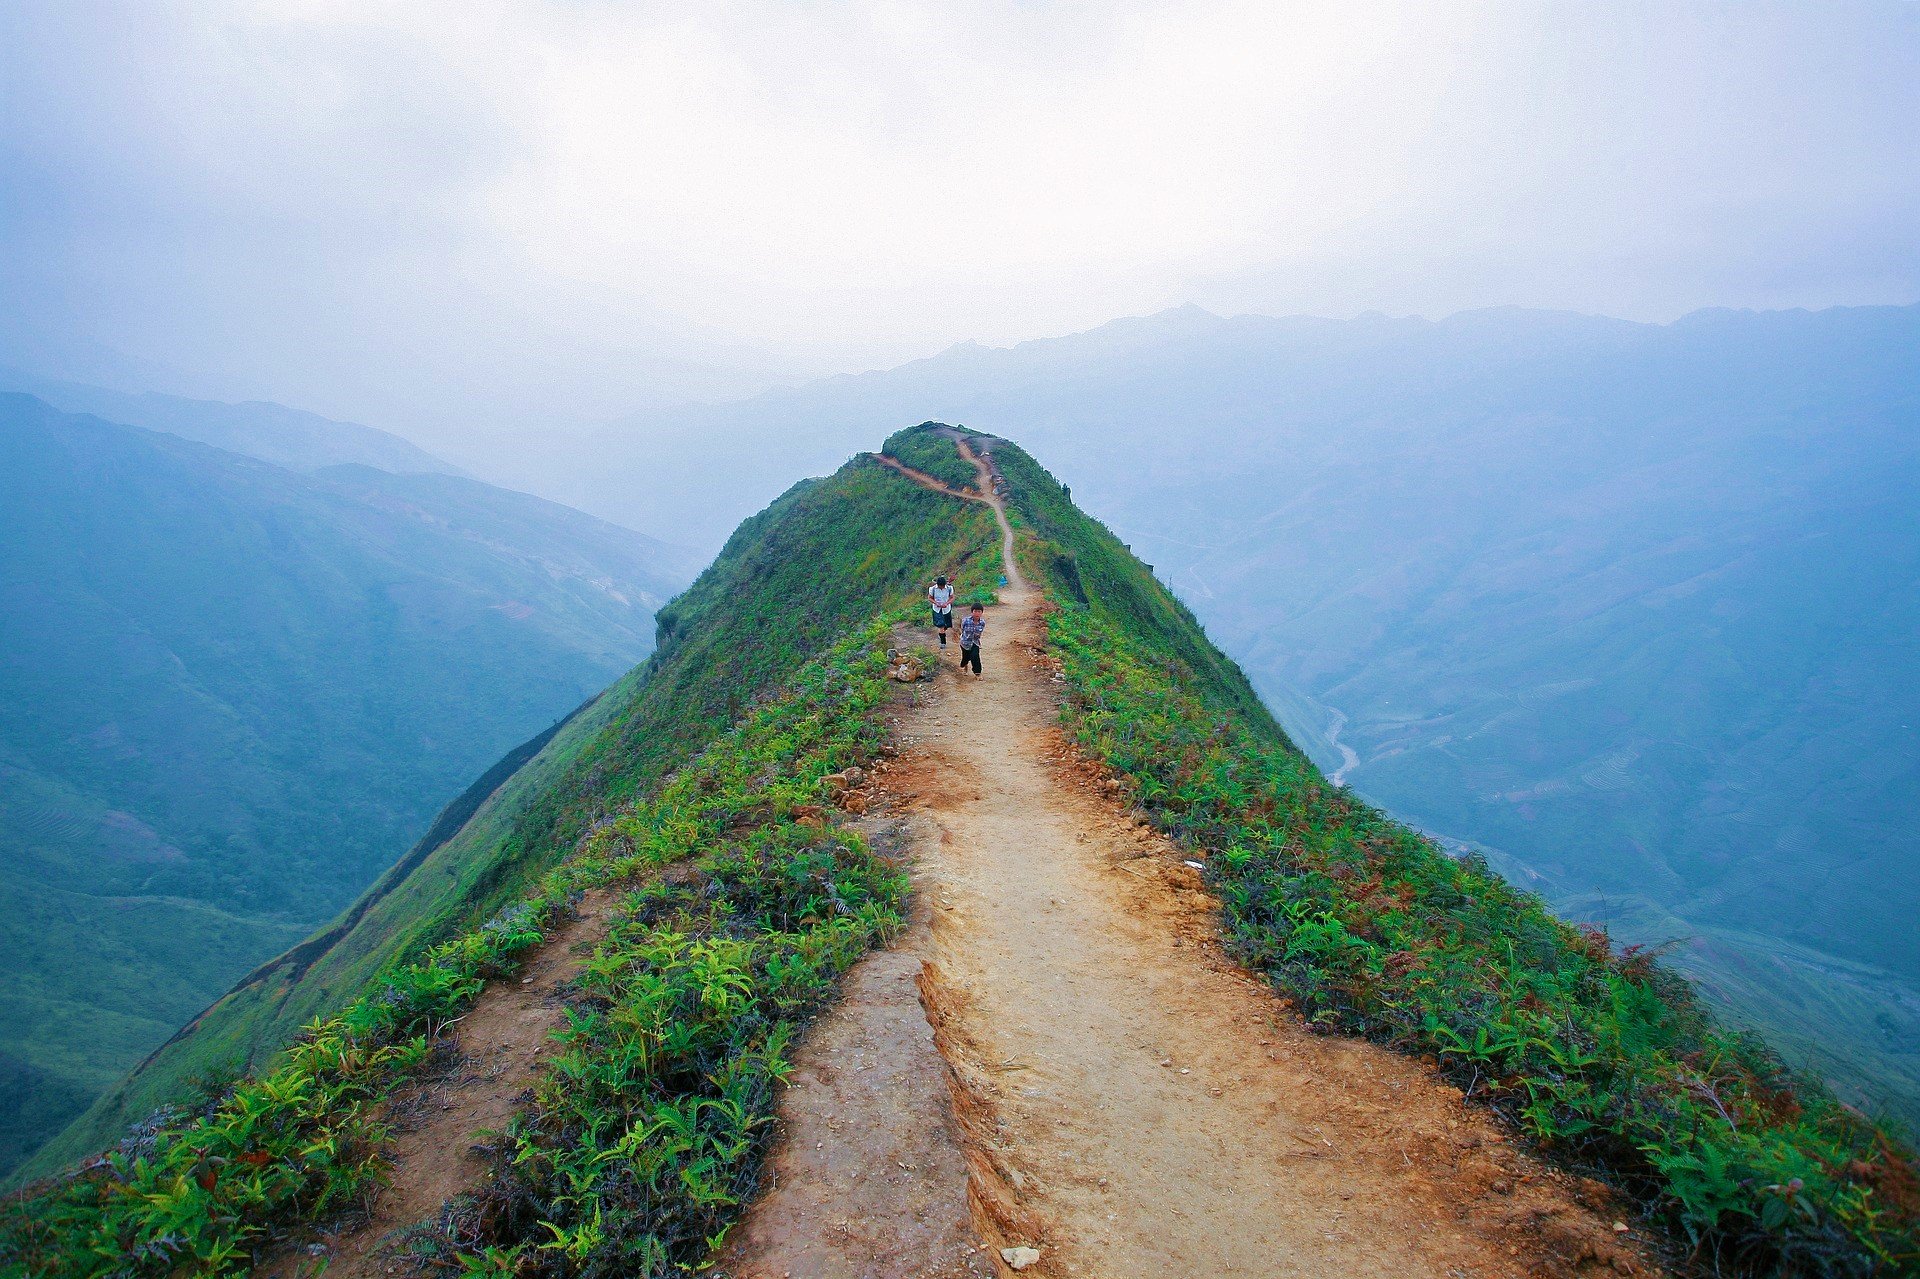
column 970, row 656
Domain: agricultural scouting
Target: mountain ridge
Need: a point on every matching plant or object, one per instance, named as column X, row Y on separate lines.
column 289, row 437
column 1403, row 520
column 521, row 821
column 709, row 817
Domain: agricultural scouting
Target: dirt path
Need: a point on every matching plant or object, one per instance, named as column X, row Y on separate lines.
column 924, row 480
column 869, row 1177
column 1130, row 1101
column 487, row 1065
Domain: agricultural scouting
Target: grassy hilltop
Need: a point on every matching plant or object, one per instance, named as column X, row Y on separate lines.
column 718, row 757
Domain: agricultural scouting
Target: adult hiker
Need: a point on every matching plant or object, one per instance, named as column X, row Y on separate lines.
column 972, row 627
column 940, row 595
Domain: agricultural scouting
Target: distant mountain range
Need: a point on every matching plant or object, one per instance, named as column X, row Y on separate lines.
column 292, row 438
column 1633, row 608
column 233, row 693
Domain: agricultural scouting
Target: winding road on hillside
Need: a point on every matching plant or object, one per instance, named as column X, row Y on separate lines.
column 1087, row 1084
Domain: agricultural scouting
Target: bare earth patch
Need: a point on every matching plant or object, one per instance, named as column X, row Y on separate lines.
column 868, row 1179
column 1138, row 1103
column 489, row 1061
column 1057, row 1070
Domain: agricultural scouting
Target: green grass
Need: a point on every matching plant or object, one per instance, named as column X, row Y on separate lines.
column 647, row 1132
column 647, row 1129
column 926, row 448
column 1083, row 563
column 203, row 1184
column 1602, row 1056
column 757, row 693
column 232, row 694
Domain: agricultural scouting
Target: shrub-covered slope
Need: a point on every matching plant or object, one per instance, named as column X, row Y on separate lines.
column 1630, row 606
column 646, row 1132
column 826, row 555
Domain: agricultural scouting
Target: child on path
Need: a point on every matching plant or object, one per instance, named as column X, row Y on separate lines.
column 940, row 595
column 971, row 629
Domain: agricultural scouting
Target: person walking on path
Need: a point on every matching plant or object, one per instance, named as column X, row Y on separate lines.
column 940, row 595
column 971, row 629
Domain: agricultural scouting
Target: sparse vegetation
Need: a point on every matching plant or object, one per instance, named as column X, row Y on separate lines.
column 198, row 1193
column 646, row 1132
column 647, row 1128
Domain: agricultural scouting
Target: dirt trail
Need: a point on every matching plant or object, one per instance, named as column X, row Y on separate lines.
column 488, row 1064
column 869, row 1177
column 1130, row 1102
column 924, row 480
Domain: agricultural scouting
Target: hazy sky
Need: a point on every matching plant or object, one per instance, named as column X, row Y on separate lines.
column 467, row 215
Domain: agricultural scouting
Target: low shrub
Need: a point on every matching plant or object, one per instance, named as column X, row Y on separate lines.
column 204, row 1193
column 928, row 450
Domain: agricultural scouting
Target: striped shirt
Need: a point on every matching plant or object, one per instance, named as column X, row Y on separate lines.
column 971, row 628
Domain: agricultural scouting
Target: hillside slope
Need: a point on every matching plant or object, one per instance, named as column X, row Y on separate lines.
column 1630, row 607
column 715, row 809
column 826, row 554
column 232, row 694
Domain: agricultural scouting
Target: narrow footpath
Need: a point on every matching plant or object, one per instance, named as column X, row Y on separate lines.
column 1122, row 1099
column 446, row 1119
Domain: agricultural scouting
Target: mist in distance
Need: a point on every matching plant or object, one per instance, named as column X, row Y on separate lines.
column 479, row 223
